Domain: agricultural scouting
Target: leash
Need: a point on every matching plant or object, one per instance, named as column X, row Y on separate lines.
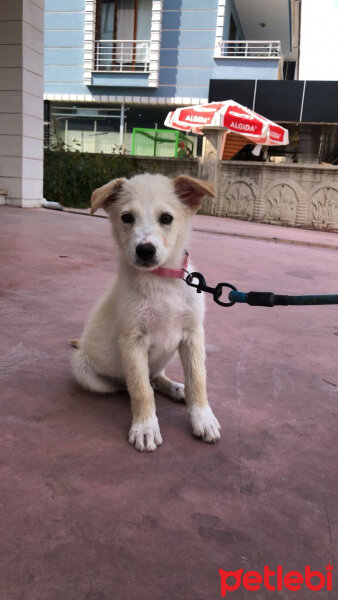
column 234, row 296
column 254, row 298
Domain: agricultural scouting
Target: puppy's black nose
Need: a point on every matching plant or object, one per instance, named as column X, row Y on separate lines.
column 145, row 251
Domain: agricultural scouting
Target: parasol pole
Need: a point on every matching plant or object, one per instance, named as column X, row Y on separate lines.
column 210, row 162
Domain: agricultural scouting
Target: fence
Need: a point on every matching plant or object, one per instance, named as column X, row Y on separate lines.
column 248, row 49
column 122, row 55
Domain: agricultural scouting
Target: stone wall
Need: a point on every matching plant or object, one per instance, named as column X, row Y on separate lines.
column 171, row 167
column 294, row 195
column 297, row 195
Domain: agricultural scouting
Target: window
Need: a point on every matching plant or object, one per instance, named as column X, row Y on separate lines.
column 289, row 69
column 85, row 127
column 232, row 29
column 123, row 35
column 124, row 19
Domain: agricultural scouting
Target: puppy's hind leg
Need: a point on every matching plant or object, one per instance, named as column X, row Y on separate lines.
column 86, row 375
column 168, row 387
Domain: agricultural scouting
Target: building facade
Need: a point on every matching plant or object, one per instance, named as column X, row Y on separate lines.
column 21, row 102
column 113, row 65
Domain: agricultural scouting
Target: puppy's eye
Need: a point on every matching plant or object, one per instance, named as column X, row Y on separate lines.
column 127, row 218
column 166, row 218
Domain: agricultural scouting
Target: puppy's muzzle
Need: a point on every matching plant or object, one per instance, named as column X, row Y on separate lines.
column 146, row 252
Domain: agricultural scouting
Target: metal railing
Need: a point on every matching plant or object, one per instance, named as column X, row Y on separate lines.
column 124, row 56
column 248, row 49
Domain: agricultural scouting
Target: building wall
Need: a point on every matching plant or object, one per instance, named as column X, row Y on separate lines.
column 187, row 55
column 21, row 101
column 187, row 48
column 232, row 68
column 64, row 46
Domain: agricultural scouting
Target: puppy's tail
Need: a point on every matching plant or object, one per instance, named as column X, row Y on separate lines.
column 75, row 343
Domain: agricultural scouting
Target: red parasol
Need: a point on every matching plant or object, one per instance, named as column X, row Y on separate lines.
column 231, row 116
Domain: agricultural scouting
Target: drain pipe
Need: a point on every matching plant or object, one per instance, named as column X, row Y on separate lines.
column 121, row 124
column 52, row 205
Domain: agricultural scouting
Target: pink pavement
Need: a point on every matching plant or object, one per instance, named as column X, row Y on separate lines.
column 86, row 517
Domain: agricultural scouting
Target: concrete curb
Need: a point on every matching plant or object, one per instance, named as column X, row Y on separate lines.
column 261, row 238
column 245, row 236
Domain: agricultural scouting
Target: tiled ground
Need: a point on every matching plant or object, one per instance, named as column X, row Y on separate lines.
column 85, row 517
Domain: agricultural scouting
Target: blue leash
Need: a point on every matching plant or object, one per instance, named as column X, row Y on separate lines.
column 255, row 298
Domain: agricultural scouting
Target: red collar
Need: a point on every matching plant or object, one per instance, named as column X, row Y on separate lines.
column 173, row 273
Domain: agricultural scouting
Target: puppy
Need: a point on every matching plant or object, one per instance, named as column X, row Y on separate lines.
column 150, row 313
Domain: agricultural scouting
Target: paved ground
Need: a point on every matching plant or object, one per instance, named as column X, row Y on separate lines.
column 84, row 516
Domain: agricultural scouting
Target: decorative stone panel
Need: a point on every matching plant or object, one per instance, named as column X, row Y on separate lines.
column 239, row 201
column 323, row 211
column 295, row 195
column 280, row 205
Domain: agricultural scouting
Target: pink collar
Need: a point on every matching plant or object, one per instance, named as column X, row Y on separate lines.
column 173, row 273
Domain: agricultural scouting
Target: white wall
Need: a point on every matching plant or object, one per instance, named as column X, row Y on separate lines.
column 21, row 101
column 318, row 40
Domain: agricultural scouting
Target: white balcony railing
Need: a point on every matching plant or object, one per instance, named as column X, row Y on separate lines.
column 248, row 49
column 124, row 56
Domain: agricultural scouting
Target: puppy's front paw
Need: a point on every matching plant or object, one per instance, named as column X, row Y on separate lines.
column 145, row 435
column 204, row 423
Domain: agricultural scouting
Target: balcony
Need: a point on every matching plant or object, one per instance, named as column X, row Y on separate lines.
column 248, row 49
column 122, row 56
column 248, row 59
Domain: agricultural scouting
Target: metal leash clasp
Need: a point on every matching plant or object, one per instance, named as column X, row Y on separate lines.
column 201, row 286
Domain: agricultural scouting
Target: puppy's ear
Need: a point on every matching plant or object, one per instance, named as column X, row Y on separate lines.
column 191, row 191
column 103, row 196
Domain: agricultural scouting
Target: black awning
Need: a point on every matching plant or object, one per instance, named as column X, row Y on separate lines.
column 285, row 100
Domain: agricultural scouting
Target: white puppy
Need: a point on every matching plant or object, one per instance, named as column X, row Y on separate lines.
column 150, row 313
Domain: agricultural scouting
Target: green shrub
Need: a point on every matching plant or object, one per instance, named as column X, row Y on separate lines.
column 71, row 176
